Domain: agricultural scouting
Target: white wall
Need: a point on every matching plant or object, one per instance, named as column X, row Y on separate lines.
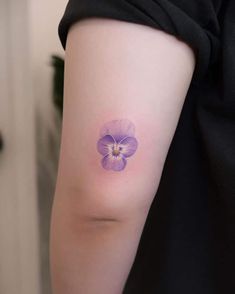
column 44, row 19
column 19, row 264
column 28, row 36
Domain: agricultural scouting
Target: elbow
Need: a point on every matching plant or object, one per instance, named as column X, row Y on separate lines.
column 100, row 202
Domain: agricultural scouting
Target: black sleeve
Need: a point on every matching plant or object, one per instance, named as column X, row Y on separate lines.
column 195, row 22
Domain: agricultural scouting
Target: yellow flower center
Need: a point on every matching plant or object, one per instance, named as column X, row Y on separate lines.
column 116, row 150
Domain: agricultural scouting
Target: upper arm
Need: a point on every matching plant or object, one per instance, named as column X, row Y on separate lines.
column 116, row 70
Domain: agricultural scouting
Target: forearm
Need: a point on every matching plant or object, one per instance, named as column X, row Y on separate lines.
column 95, row 232
column 93, row 256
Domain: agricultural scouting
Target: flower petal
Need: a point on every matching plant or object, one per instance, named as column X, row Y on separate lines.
column 128, row 145
column 116, row 163
column 104, row 145
column 119, row 129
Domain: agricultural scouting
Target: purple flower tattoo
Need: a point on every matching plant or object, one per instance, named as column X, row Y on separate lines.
column 117, row 142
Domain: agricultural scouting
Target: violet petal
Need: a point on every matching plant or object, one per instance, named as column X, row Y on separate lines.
column 104, row 145
column 116, row 163
column 128, row 146
column 119, row 129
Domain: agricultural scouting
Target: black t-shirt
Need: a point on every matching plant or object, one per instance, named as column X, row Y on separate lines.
column 188, row 242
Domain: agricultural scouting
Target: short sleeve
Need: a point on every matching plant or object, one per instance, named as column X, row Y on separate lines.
column 194, row 22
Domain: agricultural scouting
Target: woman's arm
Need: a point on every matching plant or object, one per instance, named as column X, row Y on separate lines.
column 114, row 70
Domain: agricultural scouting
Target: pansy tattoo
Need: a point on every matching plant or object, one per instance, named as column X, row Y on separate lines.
column 117, row 142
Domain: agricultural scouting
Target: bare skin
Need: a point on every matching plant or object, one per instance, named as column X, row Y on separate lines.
column 114, row 70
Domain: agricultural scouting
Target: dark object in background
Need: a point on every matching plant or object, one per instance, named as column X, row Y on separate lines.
column 1, row 142
column 58, row 81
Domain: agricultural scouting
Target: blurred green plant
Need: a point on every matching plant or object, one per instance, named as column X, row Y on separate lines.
column 57, row 63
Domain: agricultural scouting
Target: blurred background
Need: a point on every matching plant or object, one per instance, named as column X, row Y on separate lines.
column 31, row 87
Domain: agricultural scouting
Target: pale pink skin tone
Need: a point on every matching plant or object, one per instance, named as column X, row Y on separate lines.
column 116, row 144
column 114, row 70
